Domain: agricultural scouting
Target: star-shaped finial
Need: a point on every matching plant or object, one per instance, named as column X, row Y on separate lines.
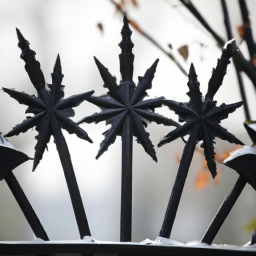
column 202, row 118
column 128, row 112
column 125, row 101
column 51, row 113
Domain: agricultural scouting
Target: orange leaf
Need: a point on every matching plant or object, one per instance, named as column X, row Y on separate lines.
column 224, row 157
column 183, row 51
column 240, row 30
column 177, row 158
column 135, row 25
column 204, row 164
column 202, row 179
column 217, row 178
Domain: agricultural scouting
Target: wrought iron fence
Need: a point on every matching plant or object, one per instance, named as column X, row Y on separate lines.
column 128, row 111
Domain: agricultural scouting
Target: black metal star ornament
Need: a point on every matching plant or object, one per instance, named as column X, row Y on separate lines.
column 202, row 119
column 127, row 112
column 51, row 113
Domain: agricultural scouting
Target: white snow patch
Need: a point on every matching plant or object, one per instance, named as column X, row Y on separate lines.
column 252, row 126
column 229, row 42
column 165, row 241
column 38, row 240
column 197, row 244
column 250, row 245
column 246, row 150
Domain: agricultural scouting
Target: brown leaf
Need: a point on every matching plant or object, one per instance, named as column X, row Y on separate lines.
column 177, row 160
column 240, row 30
column 135, row 3
column 254, row 60
column 135, row 25
column 170, row 46
column 100, row 27
column 183, row 51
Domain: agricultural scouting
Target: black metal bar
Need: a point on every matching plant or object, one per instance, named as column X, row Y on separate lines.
column 75, row 196
column 126, row 193
column 179, row 184
column 21, row 248
column 242, row 92
column 223, row 211
column 236, row 60
column 248, row 37
column 26, row 207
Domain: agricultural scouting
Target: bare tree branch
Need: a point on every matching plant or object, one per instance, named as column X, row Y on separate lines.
column 152, row 40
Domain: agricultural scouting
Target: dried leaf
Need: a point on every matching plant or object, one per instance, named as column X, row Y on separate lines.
column 135, row 3
column 135, row 25
column 240, row 30
column 100, row 27
column 177, row 159
column 170, row 46
column 217, row 178
column 183, row 51
column 202, row 179
column 254, row 60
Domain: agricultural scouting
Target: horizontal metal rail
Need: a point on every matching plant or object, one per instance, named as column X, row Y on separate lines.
column 52, row 247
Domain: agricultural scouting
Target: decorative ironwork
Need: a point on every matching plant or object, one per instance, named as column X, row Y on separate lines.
column 51, row 113
column 242, row 161
column 10, row 158
column 127, row 112
column 202, row 124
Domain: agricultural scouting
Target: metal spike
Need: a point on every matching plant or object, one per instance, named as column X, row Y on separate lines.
column 57, row 67
column 23, row 43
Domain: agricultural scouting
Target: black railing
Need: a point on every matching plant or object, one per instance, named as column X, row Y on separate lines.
column 128, row 112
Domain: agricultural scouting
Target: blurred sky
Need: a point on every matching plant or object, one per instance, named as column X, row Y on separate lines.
column 70, row 29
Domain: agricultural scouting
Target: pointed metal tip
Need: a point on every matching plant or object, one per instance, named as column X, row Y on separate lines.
column 57, row 62
column 23, row 43
column 154, row 158
column 34, row 167
column 89, row 139
column 159, row 145
column 192, row 71
column 156, row 62
column 57, row 67
column 125, row 20
column 96, row 60
column 7, row 135
column 20, row 36
column 126, row 44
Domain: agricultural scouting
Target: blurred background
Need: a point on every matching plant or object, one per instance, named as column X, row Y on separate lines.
column 79, row 30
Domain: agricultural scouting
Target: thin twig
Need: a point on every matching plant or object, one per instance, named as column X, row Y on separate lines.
column 240, row 63
column 239, row 78
column 195, row 12
column 143, row 33
column 248, row 37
